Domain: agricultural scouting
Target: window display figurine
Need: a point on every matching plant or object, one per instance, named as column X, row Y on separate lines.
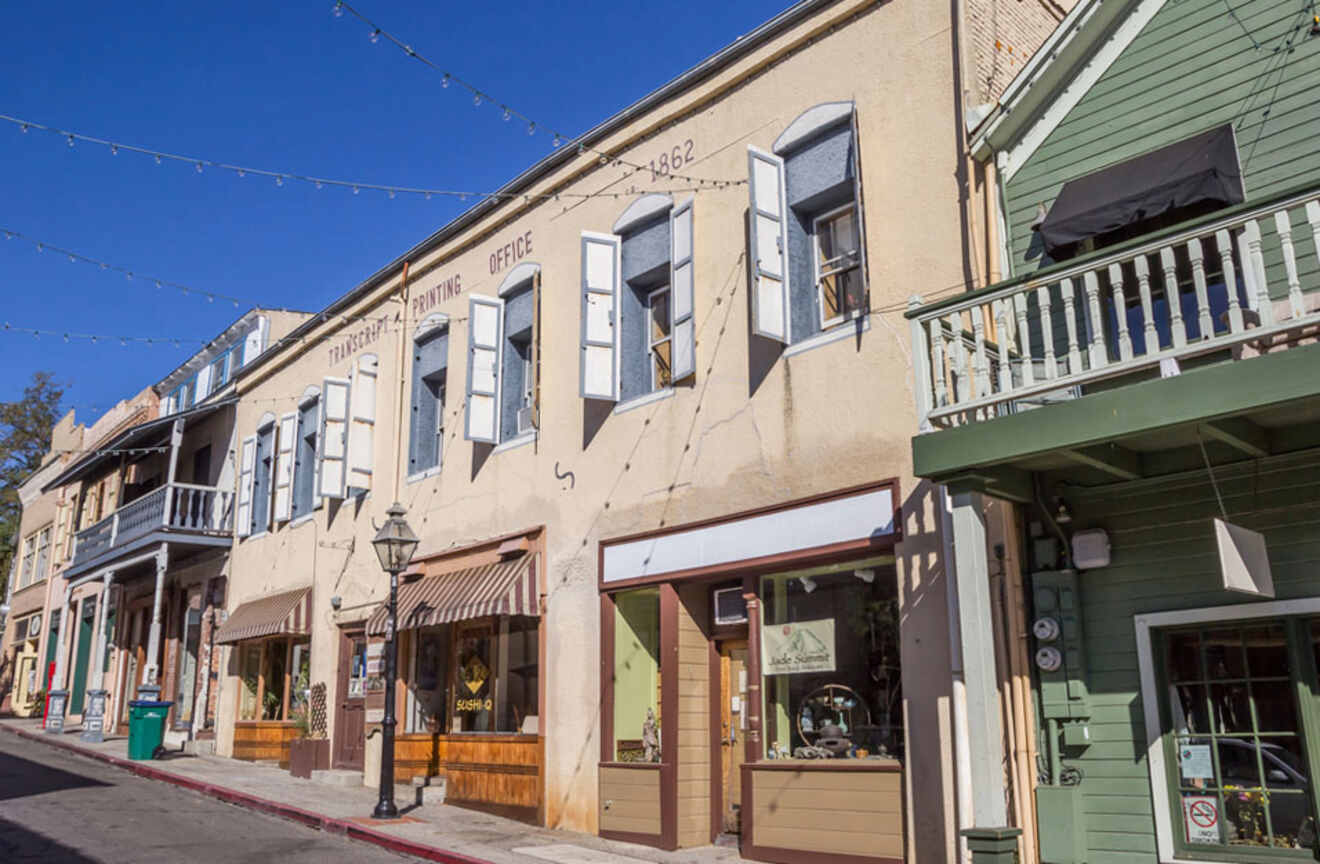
column 650, row 738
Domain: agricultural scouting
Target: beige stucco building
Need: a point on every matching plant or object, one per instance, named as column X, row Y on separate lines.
column 648, row 411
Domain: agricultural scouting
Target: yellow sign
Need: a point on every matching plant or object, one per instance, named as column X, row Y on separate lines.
column 473, row 704
column 475, row 674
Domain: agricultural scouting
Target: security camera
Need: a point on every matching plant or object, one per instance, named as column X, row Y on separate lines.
column 336, row 601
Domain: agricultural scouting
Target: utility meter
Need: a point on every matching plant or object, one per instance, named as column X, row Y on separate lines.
column 1046, row 629
column 1049, row 659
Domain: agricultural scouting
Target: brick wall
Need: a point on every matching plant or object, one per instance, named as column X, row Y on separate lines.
column 1002, row 35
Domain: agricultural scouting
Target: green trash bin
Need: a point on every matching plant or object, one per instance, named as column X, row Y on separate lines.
column 146, row 727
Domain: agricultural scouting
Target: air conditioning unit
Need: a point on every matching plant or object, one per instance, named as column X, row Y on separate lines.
column 525, row 419
column 730, row 606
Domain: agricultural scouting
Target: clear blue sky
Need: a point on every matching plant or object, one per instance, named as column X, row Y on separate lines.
column 286, row 86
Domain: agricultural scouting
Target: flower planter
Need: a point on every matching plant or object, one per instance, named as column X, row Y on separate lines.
column 307, row 755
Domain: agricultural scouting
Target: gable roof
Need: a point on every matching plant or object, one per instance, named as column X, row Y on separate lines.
column 1063, row 69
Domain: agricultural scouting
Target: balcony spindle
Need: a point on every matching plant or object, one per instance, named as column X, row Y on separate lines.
column 1229, row 272
column 1004, row 339
column 1253, row 269
column 1047, row 331
column 982, row 364
column 957, row 348
column 937, row 363
column 1096, row 345
column 1173, row 295
column 1149, row 334
column 1068, row 290
column 1120, row 311
column 1313, row 217
column 1024, row 339
column 1204, row 323
column 1283, row 224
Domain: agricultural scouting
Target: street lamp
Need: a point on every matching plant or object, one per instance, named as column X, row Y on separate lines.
column 395, row 543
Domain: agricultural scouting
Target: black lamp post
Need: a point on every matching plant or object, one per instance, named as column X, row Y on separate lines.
column 395, row 543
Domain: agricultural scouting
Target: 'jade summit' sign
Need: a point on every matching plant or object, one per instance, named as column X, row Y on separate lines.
column 803, row 646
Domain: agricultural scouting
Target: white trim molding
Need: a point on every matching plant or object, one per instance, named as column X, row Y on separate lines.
column 1150, row 702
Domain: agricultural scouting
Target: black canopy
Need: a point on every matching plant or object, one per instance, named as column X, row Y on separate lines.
column 1201, row 170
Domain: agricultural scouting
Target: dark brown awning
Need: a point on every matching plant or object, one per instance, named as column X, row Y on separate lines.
column 504, row 588
column 286, row 614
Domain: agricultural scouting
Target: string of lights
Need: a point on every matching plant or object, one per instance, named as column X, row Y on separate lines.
column 94, row 338
column 77, row 257
column 482, row 97
column 200, row 164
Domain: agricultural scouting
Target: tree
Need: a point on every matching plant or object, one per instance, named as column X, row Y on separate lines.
column 25, row 428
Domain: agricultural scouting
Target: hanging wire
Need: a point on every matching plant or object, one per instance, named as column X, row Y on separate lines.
column 1211, row 469
column 376, row 32
column 281, row 177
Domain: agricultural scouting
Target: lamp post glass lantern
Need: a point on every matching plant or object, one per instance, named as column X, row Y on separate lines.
column 395, row 543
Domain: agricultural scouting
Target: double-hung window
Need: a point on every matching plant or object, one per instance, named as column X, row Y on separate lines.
column 638, row 334
column 43, row 554
column 807, row 255
column 219, row 372
column 429, row 382
column 307, row 427
column 264, row 469
column 29, row 560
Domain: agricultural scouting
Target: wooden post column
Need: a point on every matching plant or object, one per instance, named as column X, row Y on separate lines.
column 150, row 688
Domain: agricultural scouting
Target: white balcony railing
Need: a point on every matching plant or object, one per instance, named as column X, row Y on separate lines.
column 177, row 507
column 1046, row 336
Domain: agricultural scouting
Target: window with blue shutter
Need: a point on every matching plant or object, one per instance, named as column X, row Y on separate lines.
column 304, row 455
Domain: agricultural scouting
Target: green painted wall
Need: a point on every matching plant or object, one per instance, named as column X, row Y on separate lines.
column 1164, row 558
column 1191, row 68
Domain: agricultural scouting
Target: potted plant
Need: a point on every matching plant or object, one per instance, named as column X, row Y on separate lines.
column 310, row 750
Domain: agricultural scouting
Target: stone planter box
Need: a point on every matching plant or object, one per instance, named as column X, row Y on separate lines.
column 307, row 755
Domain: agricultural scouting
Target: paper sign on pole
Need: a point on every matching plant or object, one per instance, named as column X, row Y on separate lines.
column 1201, row 816
column 803, row 646
column 1243, row 560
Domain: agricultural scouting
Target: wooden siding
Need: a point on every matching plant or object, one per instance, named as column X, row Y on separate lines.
column 1191, row 68
column 501, row 773
column 694, row 713
column 1164, row 558
column 263, row 740
column 630, row 799
column 822, row 811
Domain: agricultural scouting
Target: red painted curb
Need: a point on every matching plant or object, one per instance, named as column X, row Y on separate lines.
column 307, row 818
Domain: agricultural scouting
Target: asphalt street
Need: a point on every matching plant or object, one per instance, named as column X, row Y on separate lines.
column 58, row 807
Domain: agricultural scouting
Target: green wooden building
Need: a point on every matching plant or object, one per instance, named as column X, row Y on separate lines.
column 1145, row 390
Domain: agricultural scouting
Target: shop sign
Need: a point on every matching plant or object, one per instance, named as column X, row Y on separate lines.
column 803, row 646
column 1201, row 816
column 1195, row 763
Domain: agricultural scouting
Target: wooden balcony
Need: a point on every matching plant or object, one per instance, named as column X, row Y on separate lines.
column 1234, row 285
column 174, row 511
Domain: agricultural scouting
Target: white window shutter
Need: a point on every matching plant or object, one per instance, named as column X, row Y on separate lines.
column 254, row 342
column 769, row 252
column 485, row 335
column 330, row 473
column 599, row 375
column 681, row 321
column 203, row 383
column 284, row 466
column 362, row 424
column 247, row 462
column 857, row 199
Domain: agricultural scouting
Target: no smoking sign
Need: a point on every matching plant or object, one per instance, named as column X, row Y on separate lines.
column 1201, row 816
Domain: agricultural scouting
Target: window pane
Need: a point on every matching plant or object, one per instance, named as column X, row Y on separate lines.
column 1267, row 651
column 300, row 672
column 637, row 675
column 1232, row 713
column 519, row 677
column 430, row 662
column 660, row 363
column 1276, row 708
column 1223, row 654
column 474, row 681
column 1183, row 654
column 659, row 315
column 251, row 670
column 272, row 699
column 834, row 636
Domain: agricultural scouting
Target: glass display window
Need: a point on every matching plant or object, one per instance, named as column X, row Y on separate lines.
column 830, row 665
column 637, row 675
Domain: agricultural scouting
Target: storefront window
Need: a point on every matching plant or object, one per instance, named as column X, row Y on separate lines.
column 486, row 670
column 250, row 670
column 268, row 670
column 1242, row 775
column 637, row 675
column 830, row 663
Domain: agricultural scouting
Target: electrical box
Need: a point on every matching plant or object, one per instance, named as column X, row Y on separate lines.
column 1062, row 824
column 1062, row 670
column 1076, row 735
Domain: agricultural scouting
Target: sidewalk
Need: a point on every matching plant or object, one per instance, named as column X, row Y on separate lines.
column 434, row 832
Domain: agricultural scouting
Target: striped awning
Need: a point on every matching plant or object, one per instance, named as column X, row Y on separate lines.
column 505, row 588
column 287, row 614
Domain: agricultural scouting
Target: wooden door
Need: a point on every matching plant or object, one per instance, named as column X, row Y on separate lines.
column 135, row 655
column 733, row 727
column 350, row 715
